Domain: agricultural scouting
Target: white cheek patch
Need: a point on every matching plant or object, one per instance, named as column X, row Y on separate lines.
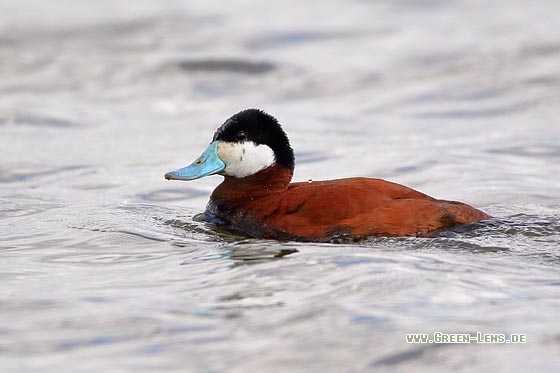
column 245, row 158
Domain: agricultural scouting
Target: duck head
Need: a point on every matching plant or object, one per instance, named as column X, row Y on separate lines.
column 247, row 143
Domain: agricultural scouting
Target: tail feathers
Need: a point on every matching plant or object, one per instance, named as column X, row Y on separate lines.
column 459, row 213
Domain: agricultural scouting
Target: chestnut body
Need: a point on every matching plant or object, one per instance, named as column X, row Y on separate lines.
column 258, row 199
column 267, row 205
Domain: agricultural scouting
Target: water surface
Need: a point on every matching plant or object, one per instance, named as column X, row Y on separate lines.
column 106, row 268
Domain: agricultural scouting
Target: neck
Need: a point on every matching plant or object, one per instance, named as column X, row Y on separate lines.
column 272, row 179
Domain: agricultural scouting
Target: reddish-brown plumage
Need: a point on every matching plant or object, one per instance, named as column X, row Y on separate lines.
column 253, row 153
column 266, row 205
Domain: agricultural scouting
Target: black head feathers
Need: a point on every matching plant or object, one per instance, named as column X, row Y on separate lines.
column 261, row 128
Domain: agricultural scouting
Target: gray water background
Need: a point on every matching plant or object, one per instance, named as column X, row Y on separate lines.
column 104, row 268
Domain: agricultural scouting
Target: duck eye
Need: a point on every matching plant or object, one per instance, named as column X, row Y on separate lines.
column 240, row 136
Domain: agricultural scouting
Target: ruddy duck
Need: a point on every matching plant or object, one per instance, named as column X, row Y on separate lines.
column 253, row 154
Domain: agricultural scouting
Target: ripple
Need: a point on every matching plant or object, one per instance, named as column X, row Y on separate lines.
column 18, row 306
column 25, row 173
column 19, row 206
column 39, row 120
column 522, row 224
column 399, row 357
column 95, row 186
column 534, row 151
column 478, row 112
column 236, row 66
column 540, row 50
column 290, row 38
column 311, row 157
column 173, row 194
column 471, row 94
column 198, row 229
column 103, row 258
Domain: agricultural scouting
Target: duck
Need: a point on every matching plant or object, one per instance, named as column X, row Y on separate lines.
column 258, row 199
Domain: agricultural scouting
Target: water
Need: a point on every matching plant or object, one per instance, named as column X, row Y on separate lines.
column 106, row 268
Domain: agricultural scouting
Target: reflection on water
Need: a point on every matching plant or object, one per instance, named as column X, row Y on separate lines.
column 106, row 266
column 257, row 251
